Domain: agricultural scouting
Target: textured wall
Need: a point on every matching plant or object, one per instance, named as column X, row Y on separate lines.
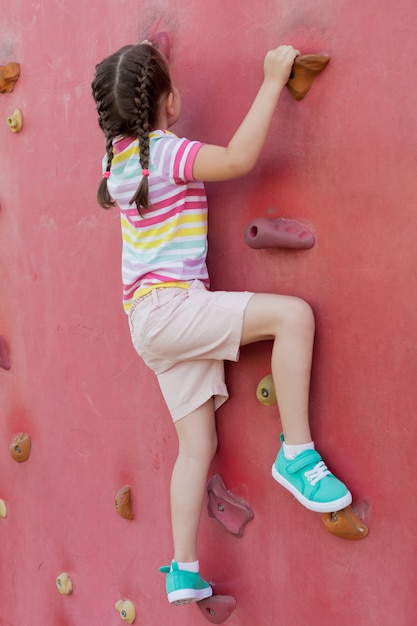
column 343, row 161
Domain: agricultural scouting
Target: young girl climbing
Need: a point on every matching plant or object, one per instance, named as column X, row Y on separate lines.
column 180, row 328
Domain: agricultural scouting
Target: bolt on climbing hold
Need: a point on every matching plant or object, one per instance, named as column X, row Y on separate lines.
column 15, row 121
column 126, row 610
column 3, row 509
column 217, row 609
column 304, row 72
column 278, row 232
column 345, row 524
column 232, row 512
column 161, row 42
column 64, row 584
column 4, row 354
column 8, row 76
column 123, row 502
column 20, row 448
column 265, row 391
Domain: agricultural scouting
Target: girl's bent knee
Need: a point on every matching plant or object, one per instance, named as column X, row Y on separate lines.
column 302, row 315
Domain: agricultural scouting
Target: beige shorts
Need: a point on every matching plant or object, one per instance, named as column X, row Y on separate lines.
column 184, row 335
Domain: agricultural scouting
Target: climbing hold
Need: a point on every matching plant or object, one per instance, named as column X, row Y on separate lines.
column 8, row 76
column 4, row 354
column 265, row 391
column 3, row 509
column 345, row 524
column 232, row 512
column 304, row 71
column 266, row 232
column 126, row 610
column 123, row 502
column 64, row 584
column 217, row 609
column 161, row 42
column 15, row 121
column 20, row 448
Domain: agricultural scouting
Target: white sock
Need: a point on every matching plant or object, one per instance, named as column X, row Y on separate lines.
column 290, row 451
column 191, row 566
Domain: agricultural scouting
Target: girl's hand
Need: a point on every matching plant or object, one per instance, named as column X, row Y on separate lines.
column 278, row 64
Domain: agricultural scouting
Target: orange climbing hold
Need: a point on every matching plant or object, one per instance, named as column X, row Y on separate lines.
column 20, row 448
column 305, row 70
column 345, row 524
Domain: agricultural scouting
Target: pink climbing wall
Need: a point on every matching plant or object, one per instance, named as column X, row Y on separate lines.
column 343, row 162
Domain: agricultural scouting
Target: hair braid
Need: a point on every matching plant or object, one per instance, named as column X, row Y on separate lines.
column 128, row 87
column 142, row 129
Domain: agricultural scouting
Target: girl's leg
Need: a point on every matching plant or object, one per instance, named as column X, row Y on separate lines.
column 289, row 322
column 197, row 439
column 298, row 466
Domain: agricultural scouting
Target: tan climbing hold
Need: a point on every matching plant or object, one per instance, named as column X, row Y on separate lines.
column 126, row 610
column 3, row 509
column 64, row 584
column 8, row 76
column 14, row 121
column 265, row 391
column 345, row 524
column 123, row 502
column 305, row 70
column 20, row 448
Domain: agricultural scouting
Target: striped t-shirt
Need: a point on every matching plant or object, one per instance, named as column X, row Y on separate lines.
column 169, row 243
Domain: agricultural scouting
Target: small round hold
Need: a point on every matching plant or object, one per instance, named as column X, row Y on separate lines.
column 14, row 121
column 126, row 610
column 265, row 391
column 64, row 584
column 123, row 502
column 3, row 509
column 20, row 448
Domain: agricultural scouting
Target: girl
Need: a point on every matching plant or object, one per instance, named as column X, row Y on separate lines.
column 182, row 330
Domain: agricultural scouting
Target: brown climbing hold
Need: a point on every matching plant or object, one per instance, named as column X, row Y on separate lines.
column 217, row 609
column 345, row 524
column 123, row 502
column 265, row 391
column 4, row 354
column 304, row 71
column 8, row 76
column 64, row 584
column 232, row 512
column 20, row 448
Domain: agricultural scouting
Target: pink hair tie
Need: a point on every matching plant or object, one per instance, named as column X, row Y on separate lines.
column 106, row 175
column 145, row 172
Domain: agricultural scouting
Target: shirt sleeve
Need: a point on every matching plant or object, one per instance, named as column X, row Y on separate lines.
column 183, row 160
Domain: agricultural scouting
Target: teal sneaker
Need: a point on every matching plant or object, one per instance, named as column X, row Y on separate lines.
column 309, row 480
column 184, row 587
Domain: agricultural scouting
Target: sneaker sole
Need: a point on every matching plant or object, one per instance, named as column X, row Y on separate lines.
column 188, row 596
column 317, row 507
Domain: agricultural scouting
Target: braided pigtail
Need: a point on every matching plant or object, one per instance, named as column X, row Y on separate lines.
column 141, row 100
column 103, row 196
column 128, row 88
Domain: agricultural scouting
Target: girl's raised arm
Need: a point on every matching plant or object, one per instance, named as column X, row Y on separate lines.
column 214, row 163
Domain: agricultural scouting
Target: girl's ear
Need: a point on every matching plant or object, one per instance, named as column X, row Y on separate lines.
column 169, row 104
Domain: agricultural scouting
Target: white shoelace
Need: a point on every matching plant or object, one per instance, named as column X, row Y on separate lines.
column 318, row 472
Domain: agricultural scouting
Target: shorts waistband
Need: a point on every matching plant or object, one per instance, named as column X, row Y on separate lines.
column 155, row 291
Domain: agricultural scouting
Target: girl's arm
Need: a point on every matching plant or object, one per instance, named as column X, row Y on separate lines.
column 215, row 163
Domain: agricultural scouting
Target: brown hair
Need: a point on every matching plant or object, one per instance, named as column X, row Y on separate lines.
column 128, row 87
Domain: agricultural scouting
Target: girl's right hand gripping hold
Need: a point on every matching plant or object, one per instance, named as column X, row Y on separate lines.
column 215, row 163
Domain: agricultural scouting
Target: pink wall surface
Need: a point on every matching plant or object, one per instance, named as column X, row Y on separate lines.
column 343, row 161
